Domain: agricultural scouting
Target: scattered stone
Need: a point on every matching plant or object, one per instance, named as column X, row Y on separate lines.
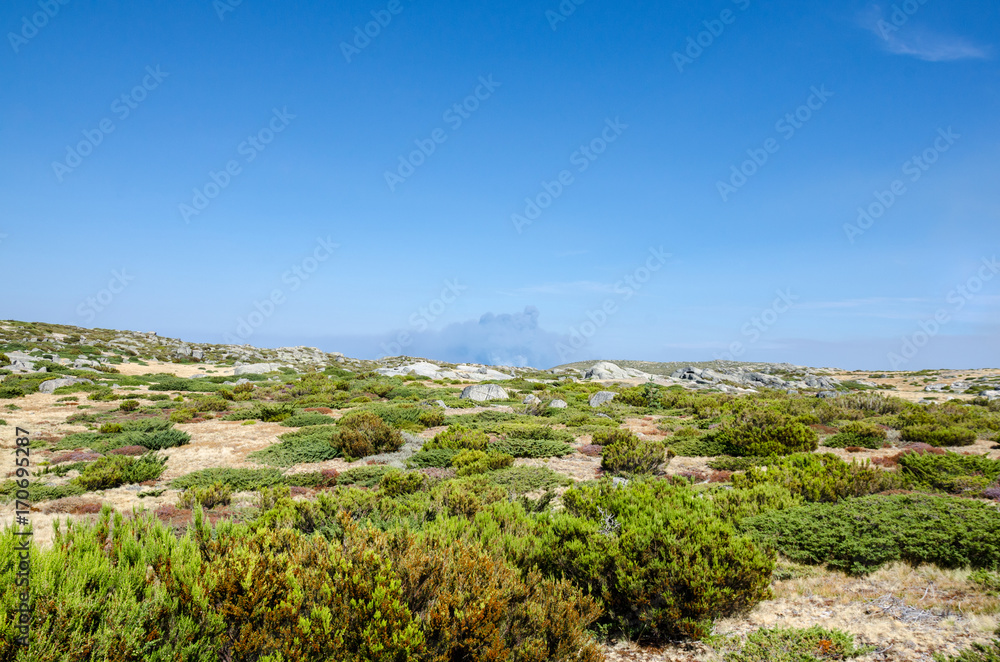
column 601, row 397
column 484, row 392
column 52, row 384
column 558, row 404
column 531, row 400
column 256, row 368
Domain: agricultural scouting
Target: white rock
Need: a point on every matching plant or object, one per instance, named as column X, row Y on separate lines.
column 601, row 397
column 484, row 392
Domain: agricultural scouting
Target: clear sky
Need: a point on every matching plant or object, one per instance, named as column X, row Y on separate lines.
column 510, row 183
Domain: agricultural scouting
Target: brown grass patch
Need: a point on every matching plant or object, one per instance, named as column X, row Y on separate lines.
column 130, row 450
column 72, row 506
column 591, row 450
column 76, row 456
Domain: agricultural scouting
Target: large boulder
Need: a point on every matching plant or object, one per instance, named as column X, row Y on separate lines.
column 256, row 368
column 601, row 397
column 605, row 370
column 52, row 384
column 558, row 404
column 484, row 392
column 531, row 399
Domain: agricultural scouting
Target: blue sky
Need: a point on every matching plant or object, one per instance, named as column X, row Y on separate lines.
column 511, row 183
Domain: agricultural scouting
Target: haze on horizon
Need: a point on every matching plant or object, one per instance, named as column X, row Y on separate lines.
column 528, row 183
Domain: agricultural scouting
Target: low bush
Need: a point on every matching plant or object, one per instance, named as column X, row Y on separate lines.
column 967, row 475
column 458, row 437
column 308, row 418
column 517, row 447
column 858, row 536
column 976, row 653
column 216, row 494
column 440, row 458
column 364, row 476
column 789, row 645
column 858, row 434
column 822, row 478
column 399, row 483
column 659, row 558
column 521, row 480
column 310, row 444
column 240, row 480
column 761, row 431
column 115, row 470
column 470, row 463
column 727, row 463
column 363, row 433
column 624, row 453
column 939, row 436
column 128, row 405
column 265, row 412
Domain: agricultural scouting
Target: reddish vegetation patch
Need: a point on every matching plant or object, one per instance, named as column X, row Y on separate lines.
column 720, row 476
column 295, row 490
column 198, row 420
column 437, row 473
column 73, row 506
column 695, row 475
column 824, row 429
column 921, row 448
column 179, row 519
column 319, row 410
column 854, row 449
column 591, row 450
column 130, row 450
column 76, row 456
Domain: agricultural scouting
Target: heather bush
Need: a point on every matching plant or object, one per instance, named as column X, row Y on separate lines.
column 624, row 453
column 517, row 447
column 858, row 536
column 398, row 483
column 760, row 431
column 967, row 475
column 789, row 645
column 859, row 434
column 308, row 418
column 363, row 433
column 821, row 478
column 458, row 437
column 115, row 470
column 217, row 494
column 661, row 561
column 309, row 444
column 939, row 436
column 470, row 463
column 440, row 458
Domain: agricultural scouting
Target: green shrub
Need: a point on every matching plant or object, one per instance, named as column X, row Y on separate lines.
column 111, row 428
column 705, row 446
column 470, row 463
column 820, row 478
column 182, row 415
column 789, row 645
column 458, row 437
column 727, row 463
column 521, row 480
column 628, row 455
column 399, row 483
column 363, row 433
column 128, row 405
column 987, row 581
column 146, row 425
column 240, row 480
column 114, row 470
column 939, row 436
column 440, row 457
column 530, row 447
column 858, row 536
column 154, row 441
column 216, row 494
column 266, row 412
column 308, row 418
column 431, row 418
column 968, row 475
column 763, row 431
column 976, row 653
column 38, row 492
column 660, row 559
column 310, row 444
column 364, row 476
